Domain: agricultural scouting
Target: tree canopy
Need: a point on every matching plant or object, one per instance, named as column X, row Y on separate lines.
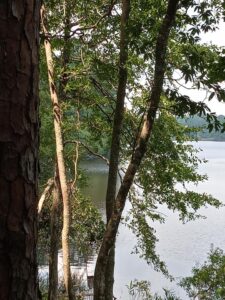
column 120, row 71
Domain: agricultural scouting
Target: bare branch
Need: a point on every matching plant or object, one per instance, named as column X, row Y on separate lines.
column 94, row 26
column 100, row 88
column 88, row 149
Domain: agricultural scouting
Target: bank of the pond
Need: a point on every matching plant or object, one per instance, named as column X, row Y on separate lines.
column 181, row 246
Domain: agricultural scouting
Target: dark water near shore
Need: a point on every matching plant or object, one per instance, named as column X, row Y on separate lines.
column 180, row 246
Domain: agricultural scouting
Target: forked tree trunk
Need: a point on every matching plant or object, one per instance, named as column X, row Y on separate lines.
column 54, row 240
column 60, row 161
column 115, row 144
column 140, row 150
column 19, row 127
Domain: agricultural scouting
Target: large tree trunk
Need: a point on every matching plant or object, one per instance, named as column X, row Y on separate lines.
column 140, row 149
column 115, row 144
column 19, row 126
column 60, row 162
column 54, row 241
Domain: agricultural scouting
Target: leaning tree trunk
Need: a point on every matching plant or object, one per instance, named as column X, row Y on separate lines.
column 54, row 240
column 60, row 161
column 115, row 144
column 140, row 150
column 19, row 126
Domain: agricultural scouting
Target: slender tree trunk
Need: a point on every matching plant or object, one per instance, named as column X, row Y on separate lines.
column 19, row 127
column 109, row 274
column 115, row 144
column 66, row 51
column 54, row 242
column 140, row 149
column 60, row 162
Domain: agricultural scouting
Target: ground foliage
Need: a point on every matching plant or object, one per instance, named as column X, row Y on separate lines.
column 141, row 290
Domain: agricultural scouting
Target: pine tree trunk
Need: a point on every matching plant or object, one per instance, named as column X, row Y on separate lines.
column 60, row 162
column 54, row 241
column 138, row 154
column 19, row 126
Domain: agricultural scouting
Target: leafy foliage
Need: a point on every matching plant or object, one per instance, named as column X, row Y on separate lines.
column 202, row 128
column 170, row 164
column 85, row 40
column 87, row 226
column 207, row 281
column 141, row 290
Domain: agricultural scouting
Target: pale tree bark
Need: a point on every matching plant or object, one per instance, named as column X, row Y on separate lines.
column 139, row 151
column 115, row 143
column 19, row 127
column 46, row 193
column 54, row 240
column 60, row 160
column 66, row 51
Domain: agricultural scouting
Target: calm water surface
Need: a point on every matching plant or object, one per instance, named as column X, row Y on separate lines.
column 180, row 246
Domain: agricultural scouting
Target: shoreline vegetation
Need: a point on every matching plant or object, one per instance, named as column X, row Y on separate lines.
column 202, row 132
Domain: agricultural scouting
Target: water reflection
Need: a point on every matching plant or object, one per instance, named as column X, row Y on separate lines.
column 97, row 172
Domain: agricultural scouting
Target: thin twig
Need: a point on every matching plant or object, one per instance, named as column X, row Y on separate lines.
column 103, row 91
column 88, row 149
column 94, row 26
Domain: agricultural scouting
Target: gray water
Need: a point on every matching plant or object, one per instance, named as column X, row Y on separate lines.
column 180, row 246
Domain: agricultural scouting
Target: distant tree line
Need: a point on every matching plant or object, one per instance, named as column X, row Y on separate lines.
column 202, row 132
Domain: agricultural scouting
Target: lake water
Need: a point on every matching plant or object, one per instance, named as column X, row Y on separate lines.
column 180, row 246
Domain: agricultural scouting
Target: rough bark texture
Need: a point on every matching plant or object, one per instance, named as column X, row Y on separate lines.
column 140, row 149
column 54, row 242
column 19, row 43
column 115, row 144
column 60, row 162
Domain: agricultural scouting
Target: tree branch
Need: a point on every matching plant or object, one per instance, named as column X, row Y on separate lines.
column 88, row 149
column 142, row 140
column 46, row 193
